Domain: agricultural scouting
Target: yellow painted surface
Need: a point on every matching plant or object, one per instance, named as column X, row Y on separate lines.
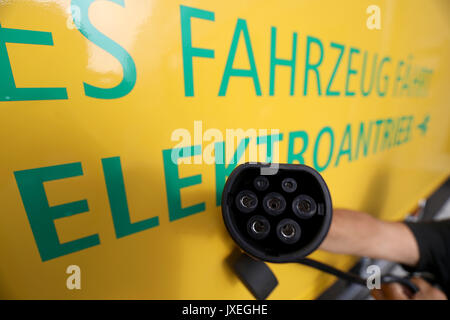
column 184, row 259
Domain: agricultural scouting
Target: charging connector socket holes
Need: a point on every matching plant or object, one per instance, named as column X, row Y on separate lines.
column 304, row 206
column 246, row 201
column 271, row 248
column 258, row 227
column 274, row 204
column 289, row 185
column 261, row 183
column 288, row 231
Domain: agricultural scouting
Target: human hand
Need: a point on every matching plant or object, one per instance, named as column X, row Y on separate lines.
column 395, row 291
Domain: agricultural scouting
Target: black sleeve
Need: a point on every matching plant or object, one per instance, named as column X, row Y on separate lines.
column 433, row 239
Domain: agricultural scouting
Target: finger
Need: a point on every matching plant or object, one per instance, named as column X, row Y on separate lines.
column 427, row 291
column 394, row 291
column 421, row 283
column 378, row 294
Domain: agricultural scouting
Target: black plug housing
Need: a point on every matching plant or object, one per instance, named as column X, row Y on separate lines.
column 281, row 217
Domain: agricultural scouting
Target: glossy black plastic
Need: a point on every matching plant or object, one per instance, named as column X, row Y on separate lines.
column 311, row 223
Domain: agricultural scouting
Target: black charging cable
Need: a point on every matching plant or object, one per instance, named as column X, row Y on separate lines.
column 353, row 278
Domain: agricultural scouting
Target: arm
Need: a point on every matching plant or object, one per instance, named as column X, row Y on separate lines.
column 360, row 234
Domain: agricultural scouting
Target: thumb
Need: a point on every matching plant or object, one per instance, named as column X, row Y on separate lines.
column 394, row 291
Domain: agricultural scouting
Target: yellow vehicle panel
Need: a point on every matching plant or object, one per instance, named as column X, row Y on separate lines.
column 95, row 94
